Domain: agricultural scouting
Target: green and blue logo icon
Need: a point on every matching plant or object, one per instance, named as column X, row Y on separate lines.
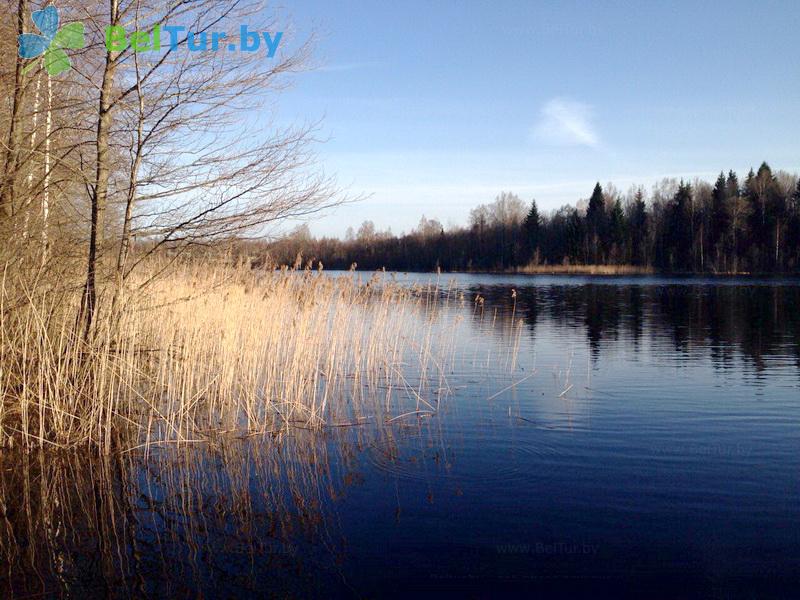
column 52, row 41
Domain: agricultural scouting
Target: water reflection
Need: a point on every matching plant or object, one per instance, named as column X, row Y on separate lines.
column 757, row 321
column 587, row 435
column 181, row 522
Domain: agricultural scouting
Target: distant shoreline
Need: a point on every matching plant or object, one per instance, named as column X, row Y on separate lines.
column 633, row 270
column 602, row 270
column 583, row 270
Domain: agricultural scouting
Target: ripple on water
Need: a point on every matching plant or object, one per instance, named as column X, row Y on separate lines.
column 417, row 457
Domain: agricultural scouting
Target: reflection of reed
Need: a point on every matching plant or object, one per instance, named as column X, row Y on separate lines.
column 255, row 496
column 182, row 521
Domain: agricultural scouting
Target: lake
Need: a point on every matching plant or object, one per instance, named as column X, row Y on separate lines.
column 596, row 436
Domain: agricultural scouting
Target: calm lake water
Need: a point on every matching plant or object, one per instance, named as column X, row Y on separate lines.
column 600, row 436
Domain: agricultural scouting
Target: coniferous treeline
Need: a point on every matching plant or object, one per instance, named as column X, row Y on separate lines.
column 727, row 227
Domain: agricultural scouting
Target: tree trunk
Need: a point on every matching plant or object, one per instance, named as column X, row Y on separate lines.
column 11, row 162
column 99, row 194
column 133, row 182
column 702, row 248
column 34, row 132
column 46, row 191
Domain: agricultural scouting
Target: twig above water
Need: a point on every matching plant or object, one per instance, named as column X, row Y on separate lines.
column 516, row 383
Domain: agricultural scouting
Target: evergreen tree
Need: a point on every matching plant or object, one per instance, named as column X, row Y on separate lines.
column 720, row 213
column 721, row 217
column 679, row 240
column 760, row 190
column 616, row 231
column 638, row 229
column 532, row 227
column 595, row 222
column 735, row 243
column 732, row 184
column 576, row 237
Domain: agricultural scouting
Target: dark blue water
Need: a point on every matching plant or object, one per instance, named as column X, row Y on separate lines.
column 602, row 437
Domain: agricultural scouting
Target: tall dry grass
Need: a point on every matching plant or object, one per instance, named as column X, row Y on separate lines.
column 215, row 350
column 587, row 269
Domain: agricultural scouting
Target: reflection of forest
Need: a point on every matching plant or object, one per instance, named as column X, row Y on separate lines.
column 756, row 320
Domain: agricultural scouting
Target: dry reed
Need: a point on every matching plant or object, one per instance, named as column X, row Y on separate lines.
column 567, row 269
column 215, row 350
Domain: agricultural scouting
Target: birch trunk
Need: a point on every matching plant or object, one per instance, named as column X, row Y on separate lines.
column 46, row 191
column 34, row 132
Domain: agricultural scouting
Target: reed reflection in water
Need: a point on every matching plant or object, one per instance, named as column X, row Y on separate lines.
column 590, row 434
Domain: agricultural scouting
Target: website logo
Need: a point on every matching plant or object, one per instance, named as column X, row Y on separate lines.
column 52, row 41
column 118, row 40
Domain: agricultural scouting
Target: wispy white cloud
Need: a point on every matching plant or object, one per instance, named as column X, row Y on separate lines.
column 565, row 122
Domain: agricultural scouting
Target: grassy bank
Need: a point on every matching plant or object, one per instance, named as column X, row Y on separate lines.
column 585, row 270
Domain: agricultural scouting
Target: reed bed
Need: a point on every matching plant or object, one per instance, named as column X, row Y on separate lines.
column 588, row 269
column 210, row 351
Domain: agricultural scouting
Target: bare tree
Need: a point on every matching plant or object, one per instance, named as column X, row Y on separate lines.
column 13, row 139
column 202, row 163
column 128, row 154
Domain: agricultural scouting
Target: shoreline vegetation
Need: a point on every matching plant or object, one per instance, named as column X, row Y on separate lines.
column 219, row 351
column 583, row 270
column 678, row 227
column 616, row 270
column 125, row 321
column 121, row 181
column 609, row 270
column 613, row 270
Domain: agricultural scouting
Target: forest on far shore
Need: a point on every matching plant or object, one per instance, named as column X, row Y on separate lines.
column 730, row 226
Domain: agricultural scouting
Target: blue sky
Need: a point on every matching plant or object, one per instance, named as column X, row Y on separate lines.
column 434, row 107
